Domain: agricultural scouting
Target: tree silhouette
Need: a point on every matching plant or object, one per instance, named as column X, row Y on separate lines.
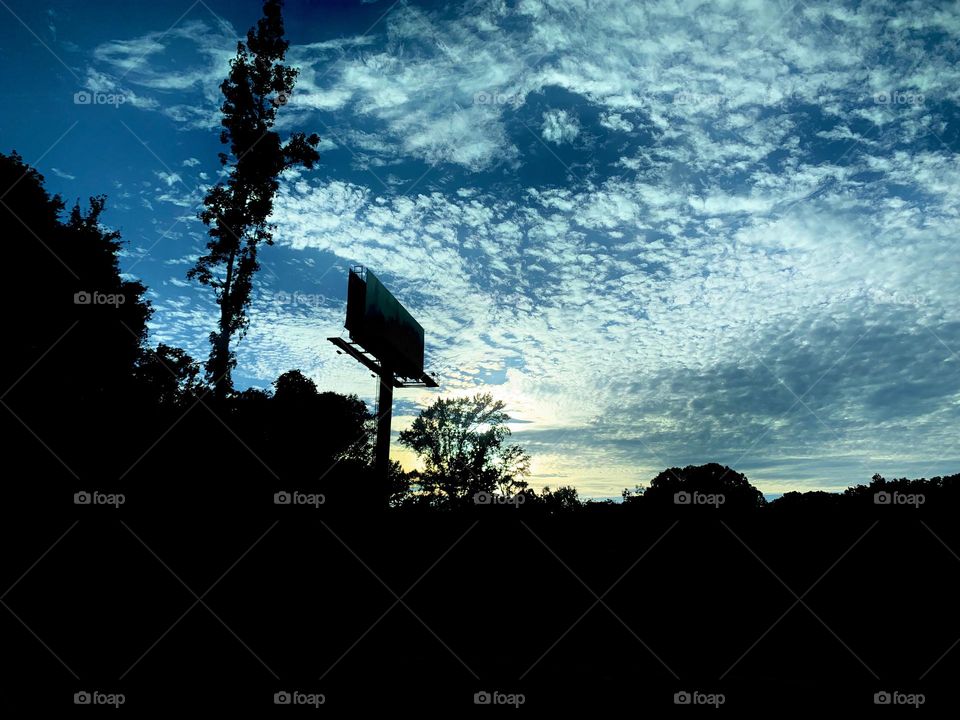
column 564, row 499
column 67, row 273
column 710, row 479
column 293, row 386
column 462, row 444
column 812, row 501
column 236, row 211
column 113, row 344
column 167, row 375
column 313, row 433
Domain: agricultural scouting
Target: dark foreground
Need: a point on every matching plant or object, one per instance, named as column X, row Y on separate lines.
column 219, row 603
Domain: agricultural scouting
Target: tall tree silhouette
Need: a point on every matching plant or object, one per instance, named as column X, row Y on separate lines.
column 236, row 211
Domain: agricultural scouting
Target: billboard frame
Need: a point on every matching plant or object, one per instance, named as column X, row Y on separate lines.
column 390, row 377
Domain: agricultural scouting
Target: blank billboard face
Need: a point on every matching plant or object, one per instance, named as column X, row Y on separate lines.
column 382, row 326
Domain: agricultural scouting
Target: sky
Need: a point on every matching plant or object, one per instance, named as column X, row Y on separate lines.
column 664, row 233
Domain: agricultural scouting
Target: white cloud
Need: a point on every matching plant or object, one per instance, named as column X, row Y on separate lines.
column 144, row 62
column 559, row 126
column 770, row 226
column 616, row 122
column 169, row 179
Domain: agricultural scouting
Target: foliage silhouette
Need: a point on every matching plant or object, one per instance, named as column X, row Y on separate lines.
column 99, row 318
column 563, row 499
column 678, row 486
column 461, row 442
column 324, row 426
column 814, row 501
column 167, row 375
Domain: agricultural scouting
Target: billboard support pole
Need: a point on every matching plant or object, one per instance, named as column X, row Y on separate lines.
column 385, row 338
column 385, row 412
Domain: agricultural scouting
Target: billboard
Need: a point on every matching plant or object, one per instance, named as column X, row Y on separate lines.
column 382, row 326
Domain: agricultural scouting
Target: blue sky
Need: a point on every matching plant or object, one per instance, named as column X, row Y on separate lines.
column 664, row 233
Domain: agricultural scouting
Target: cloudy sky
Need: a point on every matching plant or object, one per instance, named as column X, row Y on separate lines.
column 663, row 232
